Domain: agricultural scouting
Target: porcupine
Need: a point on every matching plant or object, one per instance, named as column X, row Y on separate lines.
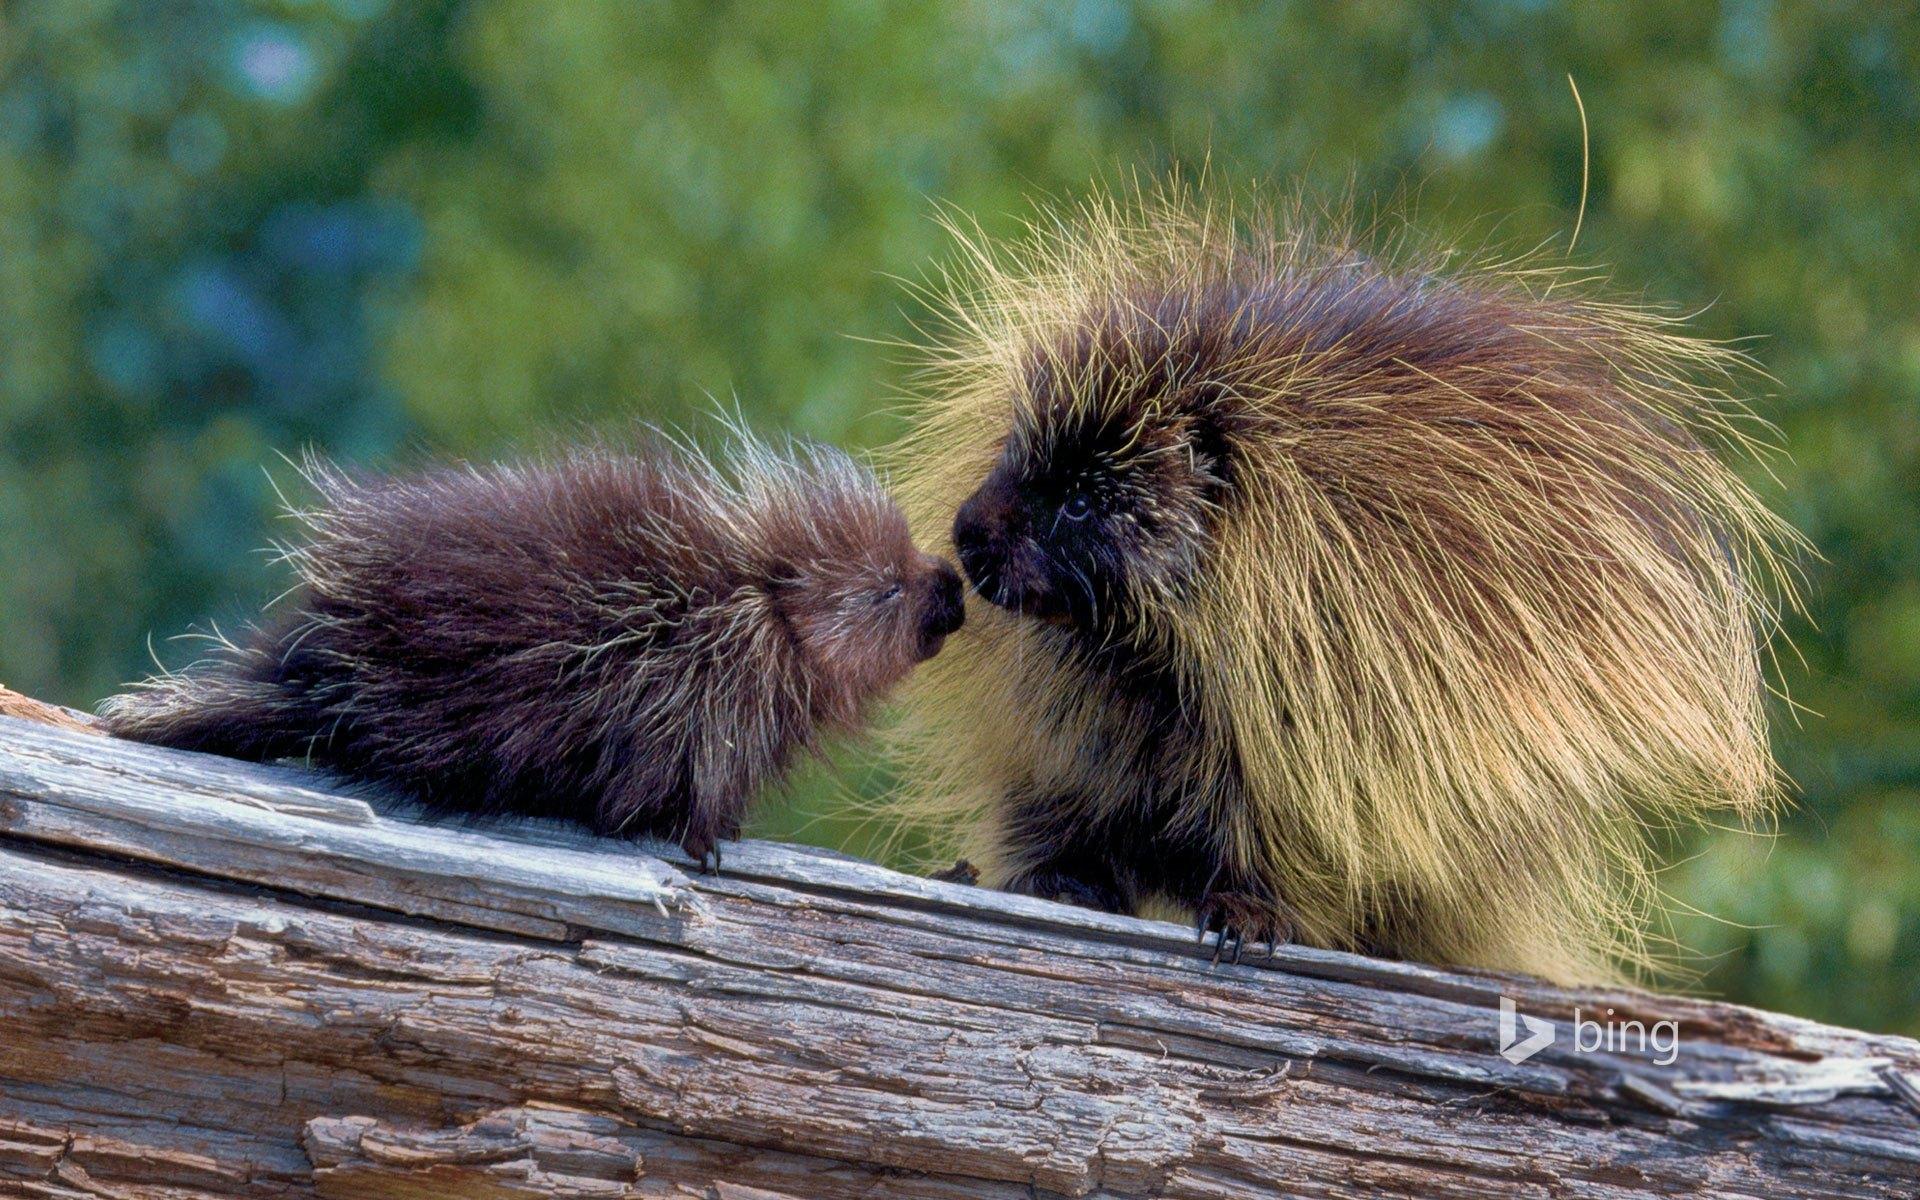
column 635, row 641
column 1360, row 598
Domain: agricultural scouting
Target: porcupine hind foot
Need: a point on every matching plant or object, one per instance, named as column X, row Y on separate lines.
column 1071, row 887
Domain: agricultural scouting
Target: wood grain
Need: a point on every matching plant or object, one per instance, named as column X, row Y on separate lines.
column 226, row 980
column 26, row 708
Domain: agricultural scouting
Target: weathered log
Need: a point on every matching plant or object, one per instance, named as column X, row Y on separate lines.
column 13, row 704
column 225, row 980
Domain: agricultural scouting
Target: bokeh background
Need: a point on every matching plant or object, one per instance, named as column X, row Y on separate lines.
column 230, row 230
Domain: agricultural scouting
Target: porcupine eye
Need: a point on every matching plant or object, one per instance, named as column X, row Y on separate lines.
column 1077, row 508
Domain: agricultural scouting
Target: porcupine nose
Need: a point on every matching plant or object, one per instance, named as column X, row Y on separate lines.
column 946, row 608
column 973, row 539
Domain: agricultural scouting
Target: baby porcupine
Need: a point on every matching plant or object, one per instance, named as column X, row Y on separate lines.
column 1369, row 601
column 636, row 642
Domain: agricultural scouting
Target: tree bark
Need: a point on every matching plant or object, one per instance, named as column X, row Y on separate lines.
column 226, row 980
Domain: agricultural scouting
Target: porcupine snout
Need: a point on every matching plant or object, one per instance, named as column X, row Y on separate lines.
column 989, row 536
column 970, row 538
column 945, row 607
column 979, row 535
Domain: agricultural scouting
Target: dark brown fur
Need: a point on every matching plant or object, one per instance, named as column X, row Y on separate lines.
column 639, row 643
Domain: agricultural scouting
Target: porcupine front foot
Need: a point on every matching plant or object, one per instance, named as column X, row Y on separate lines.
column 1235, row 919
column 641, row 808
column 702, row 845
column 702, row 830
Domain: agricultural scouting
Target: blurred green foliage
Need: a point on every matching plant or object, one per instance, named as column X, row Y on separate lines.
column 229, row 230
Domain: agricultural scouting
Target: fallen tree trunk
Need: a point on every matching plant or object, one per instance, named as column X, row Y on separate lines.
column 224, row 980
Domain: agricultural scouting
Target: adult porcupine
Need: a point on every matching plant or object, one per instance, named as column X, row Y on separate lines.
column 638, row 642
column 1366, row 600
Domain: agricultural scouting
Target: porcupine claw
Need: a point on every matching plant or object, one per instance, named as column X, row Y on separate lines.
column 1231, row 915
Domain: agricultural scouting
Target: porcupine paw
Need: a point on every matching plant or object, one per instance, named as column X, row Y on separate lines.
column 701, row 846
column 1236, row 918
